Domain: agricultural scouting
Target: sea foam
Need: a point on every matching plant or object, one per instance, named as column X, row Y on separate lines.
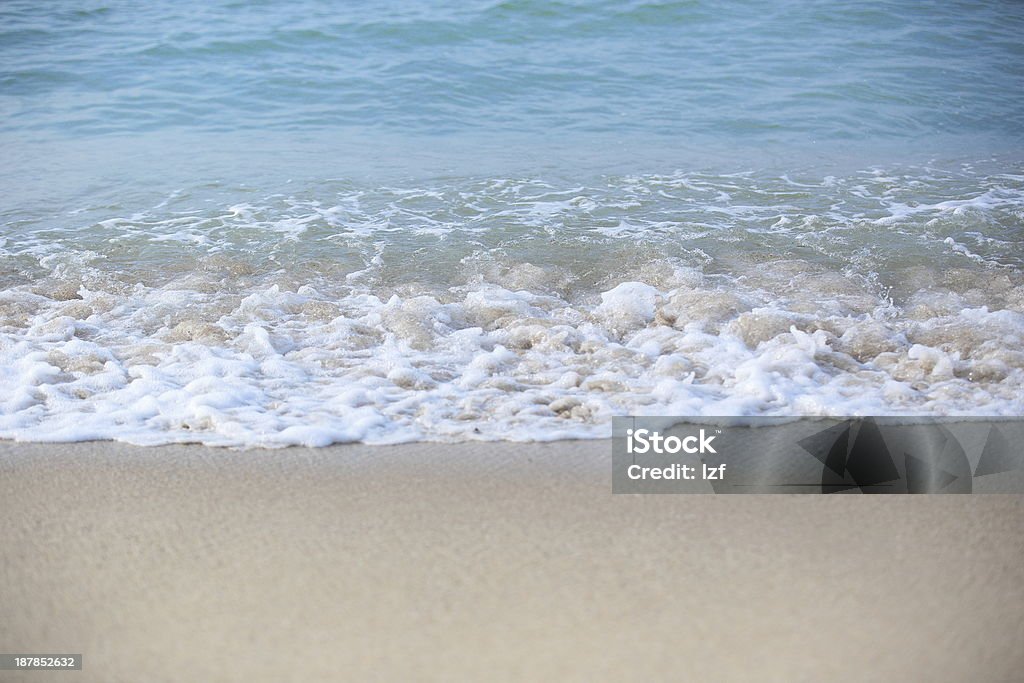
column 515, row 309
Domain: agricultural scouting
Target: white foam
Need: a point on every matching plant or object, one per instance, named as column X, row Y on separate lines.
column 512, row 309
column 492, row 364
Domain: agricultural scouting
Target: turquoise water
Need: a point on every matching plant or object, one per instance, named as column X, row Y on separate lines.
column 272, row 223
column 350, row 88
column 770, row 73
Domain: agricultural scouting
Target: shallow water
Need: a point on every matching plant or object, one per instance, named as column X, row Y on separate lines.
column 269, row 223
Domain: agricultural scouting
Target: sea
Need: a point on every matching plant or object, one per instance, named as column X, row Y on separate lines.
column 303, row 223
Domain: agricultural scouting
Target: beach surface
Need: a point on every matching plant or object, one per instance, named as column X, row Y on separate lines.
column 486, row 562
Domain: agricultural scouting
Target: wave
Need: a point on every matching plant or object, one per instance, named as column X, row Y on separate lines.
column 482, row 309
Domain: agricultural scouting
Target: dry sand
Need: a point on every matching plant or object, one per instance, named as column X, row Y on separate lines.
column 486, row 562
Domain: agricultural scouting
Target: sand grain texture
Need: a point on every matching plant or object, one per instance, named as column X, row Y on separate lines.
column 486, row 562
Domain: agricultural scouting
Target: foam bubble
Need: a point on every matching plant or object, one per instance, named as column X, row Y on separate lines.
column 420, row 314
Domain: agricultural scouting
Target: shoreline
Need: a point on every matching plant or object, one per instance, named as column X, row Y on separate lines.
column 500, row 560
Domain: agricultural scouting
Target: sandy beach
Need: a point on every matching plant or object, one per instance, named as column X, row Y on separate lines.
column 504, row 233
column 486, row 562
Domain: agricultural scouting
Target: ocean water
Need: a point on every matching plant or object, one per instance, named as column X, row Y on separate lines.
column 269, row 223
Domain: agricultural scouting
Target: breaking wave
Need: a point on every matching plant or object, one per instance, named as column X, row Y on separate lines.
column 519, row 309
